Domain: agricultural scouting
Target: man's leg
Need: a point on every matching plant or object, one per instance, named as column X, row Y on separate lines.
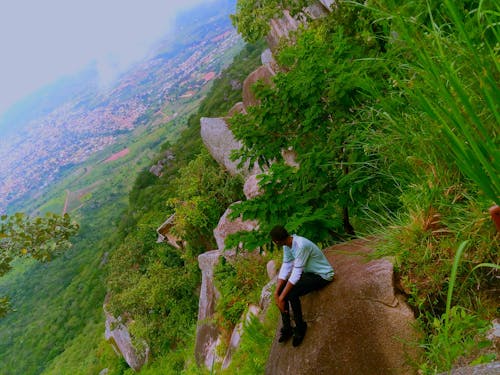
column 286, row 331
column 308, row 282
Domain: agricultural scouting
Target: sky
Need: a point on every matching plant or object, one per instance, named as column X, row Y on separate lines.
column 42, row 40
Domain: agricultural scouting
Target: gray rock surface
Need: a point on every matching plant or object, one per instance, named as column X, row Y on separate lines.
column 280, row 28
column 356, row 325
column 251, row 187
column 328, row 4
column 492, row 368
column 118, row 335
column 263, row 73
column 220, row 141
column 225, row 227
column 207, row 333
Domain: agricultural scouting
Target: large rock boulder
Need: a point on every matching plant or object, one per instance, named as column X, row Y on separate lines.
column 117, row 334
column 220, row 142
column 280, row 28
column 225, row 227
column 207, row 333
column 358, row 324
column 263, row 73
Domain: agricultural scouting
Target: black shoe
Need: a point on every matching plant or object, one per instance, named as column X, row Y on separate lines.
column 285, row 334
column 299, row 333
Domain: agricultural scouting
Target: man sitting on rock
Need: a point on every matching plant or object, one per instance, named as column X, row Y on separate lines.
column 304, row 269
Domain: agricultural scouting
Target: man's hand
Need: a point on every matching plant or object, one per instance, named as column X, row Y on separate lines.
column 281, row 304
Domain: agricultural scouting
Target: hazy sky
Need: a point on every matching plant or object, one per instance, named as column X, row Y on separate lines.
column 41, row 40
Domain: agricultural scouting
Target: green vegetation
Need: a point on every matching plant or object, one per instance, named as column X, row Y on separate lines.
column 255, row 345
column 391, row 111
column 42, row 238
column 239, row 281
column 156, row 284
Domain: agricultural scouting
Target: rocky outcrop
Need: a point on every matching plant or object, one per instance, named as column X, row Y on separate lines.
column 358, row 324
column 220, row 142
column 207, row 333
column 118, row 335
column 251, row 187
column 264, row 74
column 165, row 233
column 280, row 28
column 227, row 227
column 237, row 108
column 157, row 169
column 268, row 60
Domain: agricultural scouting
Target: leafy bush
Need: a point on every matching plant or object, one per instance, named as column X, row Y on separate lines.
column 453, row 335
column 253, row 352
column 239, row 282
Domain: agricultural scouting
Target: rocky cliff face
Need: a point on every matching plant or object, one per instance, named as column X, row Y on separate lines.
column 207, row 333
column 118, row 335
column 281, row 28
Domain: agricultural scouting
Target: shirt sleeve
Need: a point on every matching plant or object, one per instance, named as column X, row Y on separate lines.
column 303, row 253
column 287, row 255
column 285, row 270
column 295, row 276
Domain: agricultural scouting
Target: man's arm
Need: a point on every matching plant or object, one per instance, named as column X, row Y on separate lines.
column 285, row 270
column 284, row 286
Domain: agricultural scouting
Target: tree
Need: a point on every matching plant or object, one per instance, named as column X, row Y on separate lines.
column 319, row 106
column 40, row 238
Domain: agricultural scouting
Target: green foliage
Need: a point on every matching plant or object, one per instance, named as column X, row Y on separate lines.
column 252, row 16
column 461, row 70
column 41, row 238
column 239, row 282
column 203, row 191
column 454, row 335
column 253, row 352
column 320, row 108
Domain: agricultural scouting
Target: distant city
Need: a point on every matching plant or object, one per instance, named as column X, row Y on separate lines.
column 93, row 120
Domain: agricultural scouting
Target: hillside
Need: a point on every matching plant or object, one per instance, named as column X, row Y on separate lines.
column 77, row 116
column 364, row 134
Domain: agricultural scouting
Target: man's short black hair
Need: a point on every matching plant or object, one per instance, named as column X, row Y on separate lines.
column 279, row 233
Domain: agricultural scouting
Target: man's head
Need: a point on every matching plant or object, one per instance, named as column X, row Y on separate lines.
column 279, row 235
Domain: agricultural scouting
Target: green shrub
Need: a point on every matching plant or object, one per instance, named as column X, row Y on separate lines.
column 240, row 283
